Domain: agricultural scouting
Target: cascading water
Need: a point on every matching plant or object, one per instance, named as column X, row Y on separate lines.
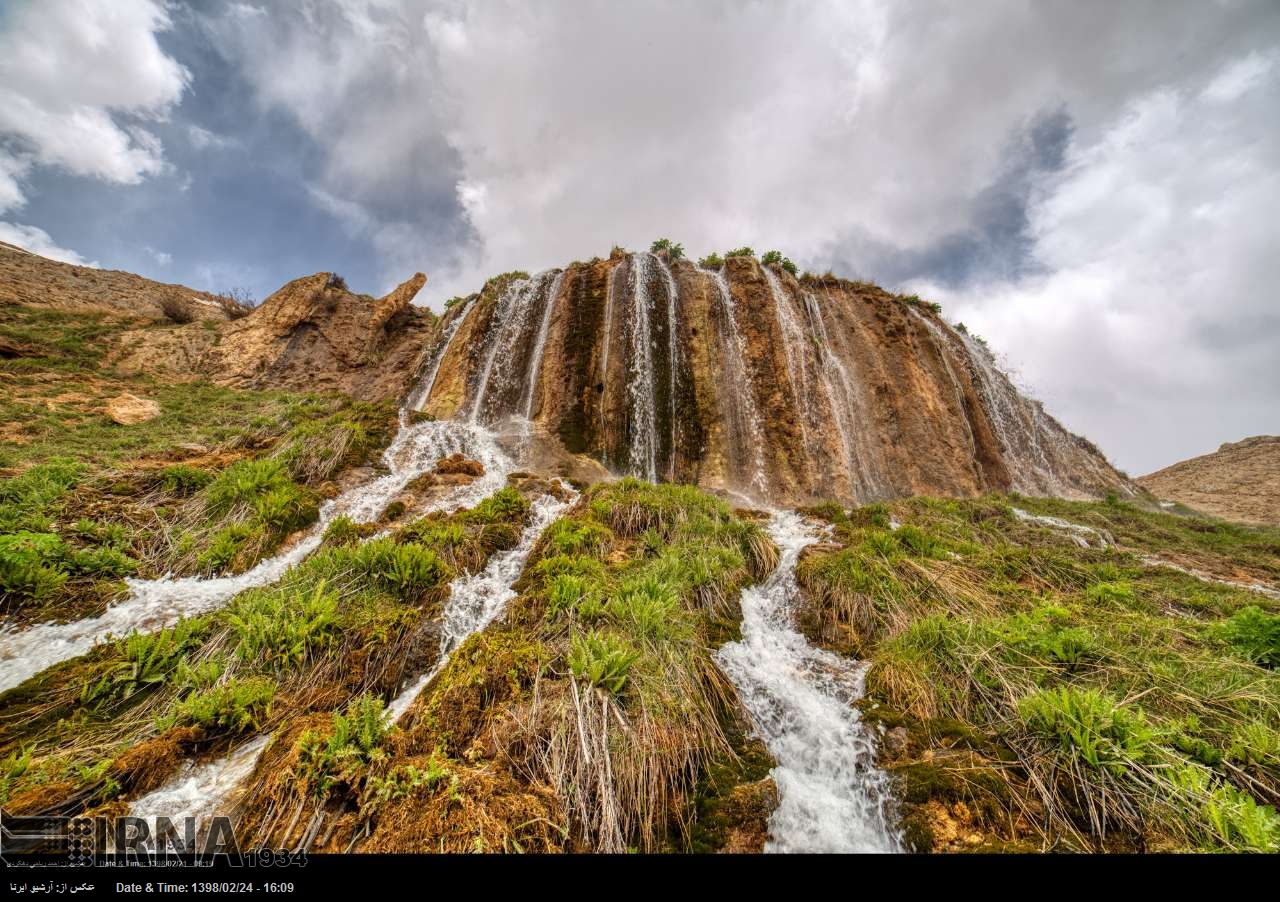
column 418, row 397
column 607, row 342
column 1024, row 454
column 845, row 400
column 795, row 343
column 643, row 456
column 741, row 412
column 673, row 355
column 506, row 348
column 1078, row 533
column 942, row 344
column 201, row 790
column 832, row 797
column 152, row 604
column 539, row 347
column 476, row 600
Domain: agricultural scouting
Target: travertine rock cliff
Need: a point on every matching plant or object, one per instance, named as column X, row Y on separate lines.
column 747, row 379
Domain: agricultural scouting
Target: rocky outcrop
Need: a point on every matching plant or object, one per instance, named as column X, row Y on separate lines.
column 313, row 334
column 129, row 410
column 27, row 278
column 746, row 379
column 1240, row 481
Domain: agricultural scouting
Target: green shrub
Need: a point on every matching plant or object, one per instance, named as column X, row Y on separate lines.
column 30, row 565
column 740, row 252
column 225, row 546
column 29, row 500
column 577, row 537
column 674, row 251
column 244, row 482
column 1089, row 724
column 573, row 595
column 342, row 756
column 1254, row 743
column 280, row 628
column 181, row 479
column 149, row 660
column 234, row 706
column 342, row 531
column 286, row 508
column 504, row 505
column 602, row 660
column 647, row 607
column 102, row 562
column 1253, row 633
column 711, row 261
column 1110, row 592
column 772, row 257
column 406, row 570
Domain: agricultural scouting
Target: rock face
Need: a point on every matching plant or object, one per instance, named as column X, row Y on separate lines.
column 27, row 278
column 1240, row 481
column 313, row 334
column 129, row 410
column 745, row 379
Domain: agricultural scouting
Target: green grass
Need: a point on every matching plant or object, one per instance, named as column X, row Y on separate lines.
column 621, row 605
column 1113, row 702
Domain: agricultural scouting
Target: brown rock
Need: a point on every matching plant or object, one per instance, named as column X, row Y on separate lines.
column 457, row 464
column 129, row 410
column 747, row 809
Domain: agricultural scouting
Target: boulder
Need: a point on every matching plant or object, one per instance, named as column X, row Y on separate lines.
column 129, row 410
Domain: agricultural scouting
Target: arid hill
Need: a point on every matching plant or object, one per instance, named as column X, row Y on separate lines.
column 27, row 278
column 1240, row 481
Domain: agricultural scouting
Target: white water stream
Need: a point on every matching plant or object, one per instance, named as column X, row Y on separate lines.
column 476, row 600
column 832, row 797
column 152, row 604
column 643, row 457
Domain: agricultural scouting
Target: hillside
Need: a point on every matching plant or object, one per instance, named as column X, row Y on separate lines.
column 635, row 555
column 27, row 278
column 1240, row 481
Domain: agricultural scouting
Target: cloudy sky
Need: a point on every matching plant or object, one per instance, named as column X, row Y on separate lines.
column 1092, row 186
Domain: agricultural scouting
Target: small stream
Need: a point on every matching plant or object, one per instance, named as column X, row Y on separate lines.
column 832, row 797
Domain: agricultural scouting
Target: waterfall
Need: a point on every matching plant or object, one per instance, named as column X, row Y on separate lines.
column 673, row 355
column 741, row 412
column 476, row 600
column 643, row 453
column 1024, row 455
column 422, row 392
column 942, row 344
column 604, row 365
column 845, row 400
column 505, row 347
column 795, row 343
column 539, row 346
column 832, row 797
column 201, row 790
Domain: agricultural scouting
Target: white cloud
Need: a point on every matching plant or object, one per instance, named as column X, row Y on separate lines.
column 38, row 241
column 475, row 138
column 203, row 139
column 76, row 81
column 161, row 257
column 1154, row 326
